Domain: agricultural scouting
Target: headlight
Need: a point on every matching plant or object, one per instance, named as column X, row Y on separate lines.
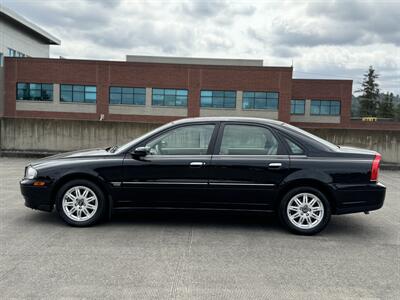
column 30, row 173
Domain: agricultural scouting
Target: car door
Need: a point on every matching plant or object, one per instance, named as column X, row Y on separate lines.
column 174, row 173
column 247, row 166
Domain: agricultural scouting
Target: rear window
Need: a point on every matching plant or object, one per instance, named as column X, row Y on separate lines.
column 294, row 148
column 311, row 136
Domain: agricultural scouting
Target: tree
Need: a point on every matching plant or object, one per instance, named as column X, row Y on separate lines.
column 386, row 106
column 370, row 94
column 397, row 112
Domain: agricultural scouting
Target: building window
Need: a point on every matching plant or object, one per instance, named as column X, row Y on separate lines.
column 218, row 99
column 15, row 53
column 127, row 95
column 12, row 52
column 297, row 107
column 78, row 93
column 169, row 97
column 34, row 91
column 260, row 100
column 325, row 107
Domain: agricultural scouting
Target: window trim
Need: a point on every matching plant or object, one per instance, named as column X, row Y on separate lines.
column 266, row 99
column 304, row 107
column 36, row 100
column 72, row 91
column 170, row 106
column 223, row 107
column 211, row 145
column 130, row 104
column 281, row 151
column 330, row 107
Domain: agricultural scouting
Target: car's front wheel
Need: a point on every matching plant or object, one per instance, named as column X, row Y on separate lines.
column 305, row 210
column 80, row 203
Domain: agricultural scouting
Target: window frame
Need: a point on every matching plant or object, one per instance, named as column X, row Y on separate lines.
column 176, row 95
column 121, row 93
column 304, row 107
column 73, row 91
column 265, row 99
column 211, row 145
column 41, row 91
column 223, row 99
column 281, row 151
column 330, row 107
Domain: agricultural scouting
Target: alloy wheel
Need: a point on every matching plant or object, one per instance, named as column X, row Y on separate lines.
column 80, row 203
column 305, row 210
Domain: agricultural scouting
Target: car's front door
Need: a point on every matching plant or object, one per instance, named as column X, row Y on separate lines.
column 247, row 166
column 174, row 173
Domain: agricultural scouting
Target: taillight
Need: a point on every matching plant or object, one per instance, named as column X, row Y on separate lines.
column 375, row 167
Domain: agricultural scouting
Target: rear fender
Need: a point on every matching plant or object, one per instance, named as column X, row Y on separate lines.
column 312, row 178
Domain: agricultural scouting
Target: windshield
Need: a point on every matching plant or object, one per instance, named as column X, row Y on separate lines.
column 312, row 136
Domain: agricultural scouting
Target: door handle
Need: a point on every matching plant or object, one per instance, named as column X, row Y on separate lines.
column 274, row 165
column 197, row 164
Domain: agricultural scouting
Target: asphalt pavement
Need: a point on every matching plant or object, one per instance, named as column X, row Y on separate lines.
column 182, row 255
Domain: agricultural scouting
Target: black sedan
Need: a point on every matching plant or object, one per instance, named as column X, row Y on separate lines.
column 211, row 163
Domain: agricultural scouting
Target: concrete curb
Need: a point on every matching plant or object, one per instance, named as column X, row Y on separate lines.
column 41, row 154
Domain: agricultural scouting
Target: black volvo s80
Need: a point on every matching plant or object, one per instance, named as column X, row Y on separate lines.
column 211, row 163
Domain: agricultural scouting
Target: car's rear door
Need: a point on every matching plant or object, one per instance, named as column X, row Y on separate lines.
column 247, row 166
column 175, row 173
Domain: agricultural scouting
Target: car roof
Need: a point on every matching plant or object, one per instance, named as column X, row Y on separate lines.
column 228, row 119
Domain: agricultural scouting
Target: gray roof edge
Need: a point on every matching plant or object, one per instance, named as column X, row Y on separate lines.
column 194, row 60
column 24, row 22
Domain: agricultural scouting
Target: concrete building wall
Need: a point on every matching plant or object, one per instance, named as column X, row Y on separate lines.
column 12, row 37
column 41, row 135
column 37, row 135
column 1, row 91
column 386, row 142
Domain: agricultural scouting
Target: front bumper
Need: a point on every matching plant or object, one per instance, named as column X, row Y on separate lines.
column 359, row 198
column 36, row 197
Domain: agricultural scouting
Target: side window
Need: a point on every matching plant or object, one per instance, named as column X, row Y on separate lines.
column 248, row 140
column 294, row 148
column 188, row 140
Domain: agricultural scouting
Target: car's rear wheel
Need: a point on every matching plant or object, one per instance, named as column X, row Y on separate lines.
column 80, row 203
column 305, row 210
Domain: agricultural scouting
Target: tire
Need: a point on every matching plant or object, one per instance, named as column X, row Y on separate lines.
column 304, row 210
column 86, row 209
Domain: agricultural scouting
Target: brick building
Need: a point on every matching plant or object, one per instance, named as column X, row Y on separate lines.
column 158, row 90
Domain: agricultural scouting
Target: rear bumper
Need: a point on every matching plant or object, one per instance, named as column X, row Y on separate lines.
column 36, row 197
column 359, row 198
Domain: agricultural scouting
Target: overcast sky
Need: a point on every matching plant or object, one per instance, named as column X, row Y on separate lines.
column 324, row 39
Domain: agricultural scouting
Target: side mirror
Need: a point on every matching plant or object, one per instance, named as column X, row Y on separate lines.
column 141, row 151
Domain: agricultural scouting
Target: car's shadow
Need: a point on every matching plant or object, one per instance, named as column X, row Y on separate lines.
column 340, row 226
column 203, row 219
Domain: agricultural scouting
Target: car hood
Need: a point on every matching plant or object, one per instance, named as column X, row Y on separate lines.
column 73, row 154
